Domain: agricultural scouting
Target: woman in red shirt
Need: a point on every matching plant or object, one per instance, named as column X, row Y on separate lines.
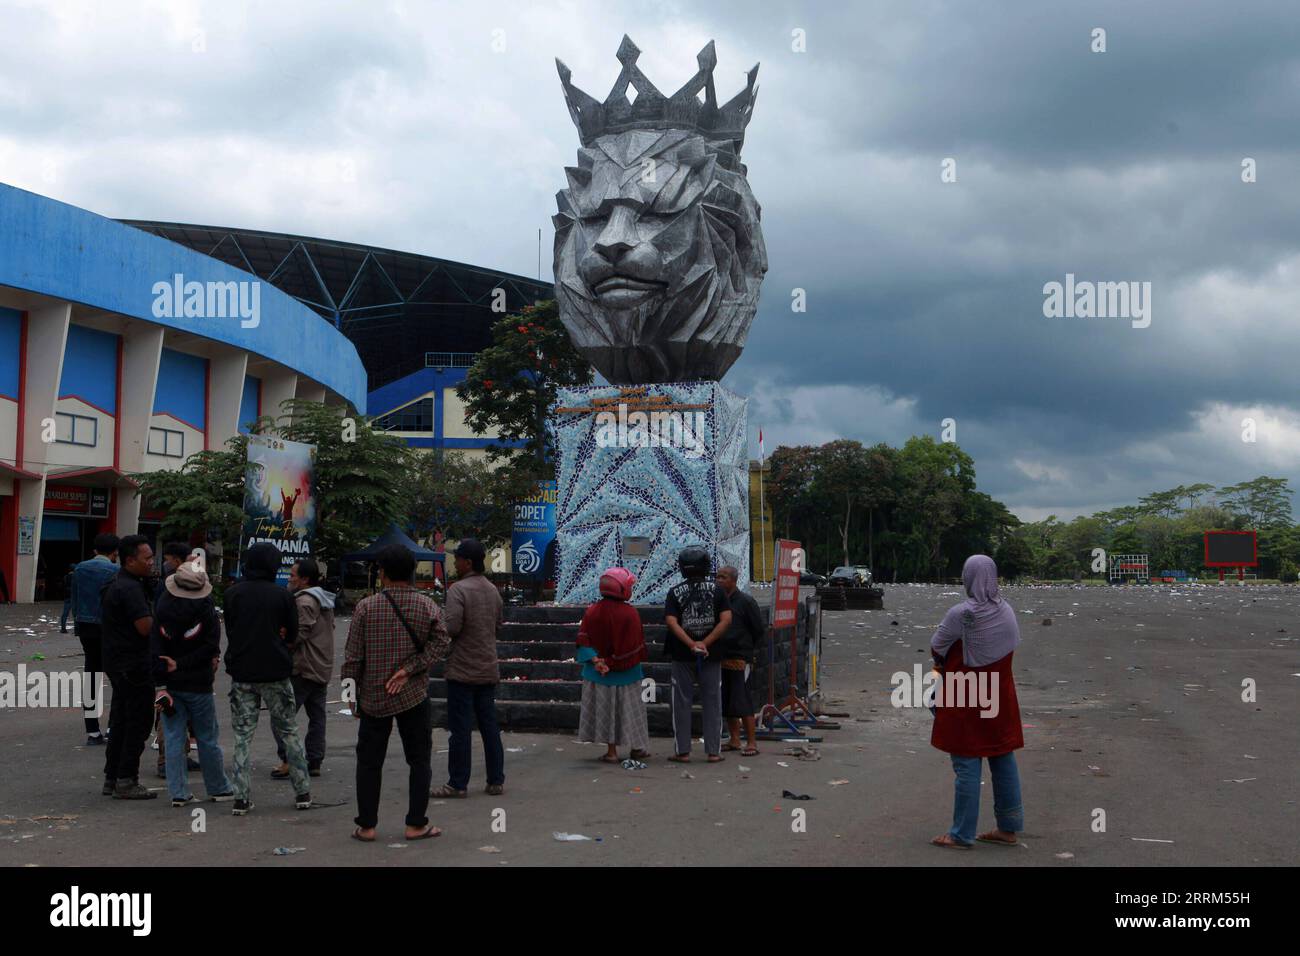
column 976, row 714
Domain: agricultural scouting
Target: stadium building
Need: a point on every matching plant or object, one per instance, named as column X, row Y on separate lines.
column 416, row 321
column 123, row 351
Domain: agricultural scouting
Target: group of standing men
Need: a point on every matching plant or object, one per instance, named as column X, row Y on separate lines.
column 159, row 643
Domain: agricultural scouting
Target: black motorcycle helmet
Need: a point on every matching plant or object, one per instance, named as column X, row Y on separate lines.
column 694, row 562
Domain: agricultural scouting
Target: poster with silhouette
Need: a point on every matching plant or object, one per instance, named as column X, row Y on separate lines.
column 279, row 498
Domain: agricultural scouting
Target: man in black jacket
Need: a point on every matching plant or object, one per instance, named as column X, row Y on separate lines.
column 746, row 631
column 126, row 619
column 186, row 645
column 698, row 616
column 261, row 626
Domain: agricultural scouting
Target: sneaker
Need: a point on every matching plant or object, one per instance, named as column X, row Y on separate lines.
column 110, row 786
column 241, row 807
column 222, row 797
column 313, row 769
column 302, row 801
column 95, row 740
column 184, row 801
column 281, row 772
column 132, row 790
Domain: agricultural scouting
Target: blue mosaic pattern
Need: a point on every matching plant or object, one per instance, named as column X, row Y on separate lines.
column 667, row 494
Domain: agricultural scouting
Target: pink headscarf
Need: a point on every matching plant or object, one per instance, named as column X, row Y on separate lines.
column 617, row 583
column 985, row 624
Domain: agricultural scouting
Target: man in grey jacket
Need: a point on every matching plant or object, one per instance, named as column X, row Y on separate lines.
column 313, row 661
column 472, row 616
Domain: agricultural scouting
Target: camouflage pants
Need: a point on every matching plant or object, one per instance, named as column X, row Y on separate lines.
column 245, row 702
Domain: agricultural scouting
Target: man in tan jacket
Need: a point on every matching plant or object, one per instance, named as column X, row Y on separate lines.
column 313, row 661
column 472, row 615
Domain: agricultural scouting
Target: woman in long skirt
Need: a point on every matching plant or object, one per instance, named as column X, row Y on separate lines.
column 972, row 651
column 611, row 648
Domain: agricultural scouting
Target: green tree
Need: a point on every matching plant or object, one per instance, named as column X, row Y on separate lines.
column 358, row 473
column 463, row 496
column 205, row 495
column 840, row 469
column 514, row 382
column 1263, row 503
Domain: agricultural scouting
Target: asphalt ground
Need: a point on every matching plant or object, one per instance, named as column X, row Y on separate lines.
column 1131, row 700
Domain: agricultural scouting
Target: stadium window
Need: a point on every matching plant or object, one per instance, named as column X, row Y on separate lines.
column 416, row 417
column 75, row 429
column 166, row 442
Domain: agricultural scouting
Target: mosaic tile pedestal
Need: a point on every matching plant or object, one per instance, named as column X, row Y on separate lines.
column 643, row 472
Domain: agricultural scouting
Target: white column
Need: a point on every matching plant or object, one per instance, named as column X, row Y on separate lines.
column 278, row 386
column 141, row 355
column 225, row 393
column 47, row 336
column 310, row 391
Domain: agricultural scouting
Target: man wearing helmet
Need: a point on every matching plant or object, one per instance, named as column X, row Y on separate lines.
column 698, row 615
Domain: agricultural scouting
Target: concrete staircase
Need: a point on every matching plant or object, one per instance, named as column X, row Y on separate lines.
column 541, row 684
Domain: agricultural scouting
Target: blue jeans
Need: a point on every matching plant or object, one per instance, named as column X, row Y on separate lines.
column 1006, row 795
column 200, row 712
column 465, row 704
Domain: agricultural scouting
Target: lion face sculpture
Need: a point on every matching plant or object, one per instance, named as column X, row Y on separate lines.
column 658, row 248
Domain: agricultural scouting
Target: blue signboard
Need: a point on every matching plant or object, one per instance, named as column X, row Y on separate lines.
column 532, row 546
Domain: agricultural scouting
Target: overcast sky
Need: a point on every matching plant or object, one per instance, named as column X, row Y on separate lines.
column 440, row 128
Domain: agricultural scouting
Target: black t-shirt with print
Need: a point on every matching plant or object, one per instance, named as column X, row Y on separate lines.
column 698, row 605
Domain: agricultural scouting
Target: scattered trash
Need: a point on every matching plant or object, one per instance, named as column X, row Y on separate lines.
column 288, row 850
column 514, row 750
column 1064, row 856
column 1242, row 780
column 789, row 795
column 687, row 775
column 838, row 783
column 893, row 623
column 346, row 712
column 1250, row 757
column 742, row 768
column 803, row 752
column 489, row 849
column 38, row 657
column 782, row 763
column 635, row 790
column 630, row 764
column 569, row 837
column 397, row 846
column 1148, row 840
column 1047, row 621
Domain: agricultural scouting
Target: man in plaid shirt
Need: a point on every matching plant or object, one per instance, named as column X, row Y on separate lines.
column 394, row 637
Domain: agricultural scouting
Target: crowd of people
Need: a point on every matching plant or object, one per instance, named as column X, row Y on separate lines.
column 158, row 640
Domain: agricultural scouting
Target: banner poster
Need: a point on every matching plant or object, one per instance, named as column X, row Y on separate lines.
column 279, row 499
column 785, row 603
column 532, row 544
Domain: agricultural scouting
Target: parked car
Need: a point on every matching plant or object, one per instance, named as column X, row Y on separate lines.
column 851, row 576
column 812, row 579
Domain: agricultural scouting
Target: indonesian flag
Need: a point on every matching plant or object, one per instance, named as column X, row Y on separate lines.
column 760, row 443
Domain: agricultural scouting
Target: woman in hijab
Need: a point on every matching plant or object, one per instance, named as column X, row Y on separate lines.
column 611, row 647
column 977, row 714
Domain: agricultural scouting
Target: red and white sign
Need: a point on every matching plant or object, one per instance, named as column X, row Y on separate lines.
column 785, row 603
column 74, row 500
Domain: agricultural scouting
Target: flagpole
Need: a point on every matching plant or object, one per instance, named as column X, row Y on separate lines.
column 762, row 511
